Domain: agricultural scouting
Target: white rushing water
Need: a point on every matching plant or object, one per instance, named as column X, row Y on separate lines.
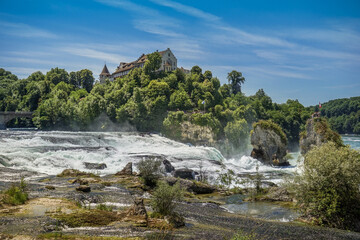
column 52, row 152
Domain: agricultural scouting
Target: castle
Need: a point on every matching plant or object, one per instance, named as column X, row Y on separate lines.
column 168, row 63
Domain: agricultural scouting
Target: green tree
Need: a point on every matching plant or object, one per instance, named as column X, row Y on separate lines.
column 164, row 198
column 86, row 79
column 238, row 134
column 235, row 79
column 328, row 188
column 153, row 63
column 57, row 75
column 196, row 70
column 180, row 100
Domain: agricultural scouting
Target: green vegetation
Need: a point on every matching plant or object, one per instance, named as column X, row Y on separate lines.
column 322, row 127
column 240, row 235
column 149, row 170
column 164, row 197
column 160, row 102
column 88, row 218
column 328, row 189
column 104, row 207
column 342, row 114
column 16, row 194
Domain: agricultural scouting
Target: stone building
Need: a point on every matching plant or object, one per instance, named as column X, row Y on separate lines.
column 168, row 63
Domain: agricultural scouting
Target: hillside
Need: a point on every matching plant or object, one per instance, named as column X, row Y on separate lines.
column 343, row 114
column 147, row 100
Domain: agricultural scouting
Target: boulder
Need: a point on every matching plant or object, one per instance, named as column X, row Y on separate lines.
column 75, row 173
column 277, row 194
column 137, row 213
column 127, row 170
column 269, row 143
column 184, row 173
column 95, row 165
column 317, row 132
column 168, row 167
column 191, row 186
column 83, row 188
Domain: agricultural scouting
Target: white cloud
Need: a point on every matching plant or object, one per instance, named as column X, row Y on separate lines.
column 96, row 54
column 24, row 30
column 187, row 10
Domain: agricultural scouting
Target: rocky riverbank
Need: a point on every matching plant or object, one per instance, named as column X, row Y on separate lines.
column 55, row 207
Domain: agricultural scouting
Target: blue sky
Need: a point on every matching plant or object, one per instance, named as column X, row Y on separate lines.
column 305, row 50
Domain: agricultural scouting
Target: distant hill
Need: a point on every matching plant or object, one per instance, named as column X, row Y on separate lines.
column 343, row 114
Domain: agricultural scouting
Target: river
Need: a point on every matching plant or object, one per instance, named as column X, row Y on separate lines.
column 52, row 152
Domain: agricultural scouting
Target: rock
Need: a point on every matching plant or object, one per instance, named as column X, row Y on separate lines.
column 95, row 165
column 4, row 210
column 317, row 132
column 83, row 188
column 127, row 170
column 168, row 167
column 176, row 220
column 49, row 187
column 202, row 188
column 137, row 213
column 191, row 186
column 184, row 173
column 269, row 143
column 278, row 194
column 74, row 173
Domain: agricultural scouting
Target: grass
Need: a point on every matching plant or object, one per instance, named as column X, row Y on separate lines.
column 88, row 218
column 16, row 194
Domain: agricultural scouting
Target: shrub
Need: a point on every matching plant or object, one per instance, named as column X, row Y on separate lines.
column 16, row 195
column 164, row 197
column 328, row 189
column 149, row 169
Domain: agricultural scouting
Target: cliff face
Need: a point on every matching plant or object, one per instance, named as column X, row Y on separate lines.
column 317, row 132
column 196, row 134
column 268, row 146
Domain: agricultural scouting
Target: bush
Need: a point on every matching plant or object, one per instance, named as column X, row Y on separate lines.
column 16, row 195
column 164, row 197
column 149, row 169
column 328, row 188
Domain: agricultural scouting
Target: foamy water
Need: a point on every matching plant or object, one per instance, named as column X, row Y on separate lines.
column 52, row 152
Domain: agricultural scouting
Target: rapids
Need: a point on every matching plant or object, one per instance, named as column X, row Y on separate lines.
column 52, row 152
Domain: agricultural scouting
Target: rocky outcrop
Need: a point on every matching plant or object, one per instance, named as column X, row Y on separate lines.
column 197, row 134
column 184, row 173
column 269, row 143
column 98, row 166
column 191, row 186
column 127, row 170
column 83, row 188
column 168, row 167
column 317, row 132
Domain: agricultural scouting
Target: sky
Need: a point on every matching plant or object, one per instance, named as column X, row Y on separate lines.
column 305, row 50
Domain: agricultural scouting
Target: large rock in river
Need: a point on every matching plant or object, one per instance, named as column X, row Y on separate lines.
column 269, row 143
column 317, row 132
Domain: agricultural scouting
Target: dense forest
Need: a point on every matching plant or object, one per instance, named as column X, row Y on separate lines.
column 343, row 114
column 154, row 101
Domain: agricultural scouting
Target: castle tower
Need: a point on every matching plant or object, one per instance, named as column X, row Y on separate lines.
column 104, row 74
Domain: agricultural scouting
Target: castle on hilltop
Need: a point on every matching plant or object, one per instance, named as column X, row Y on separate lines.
column 168, row 63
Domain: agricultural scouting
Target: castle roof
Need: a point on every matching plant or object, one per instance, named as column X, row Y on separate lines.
column 105, row 71
column 142, row 59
